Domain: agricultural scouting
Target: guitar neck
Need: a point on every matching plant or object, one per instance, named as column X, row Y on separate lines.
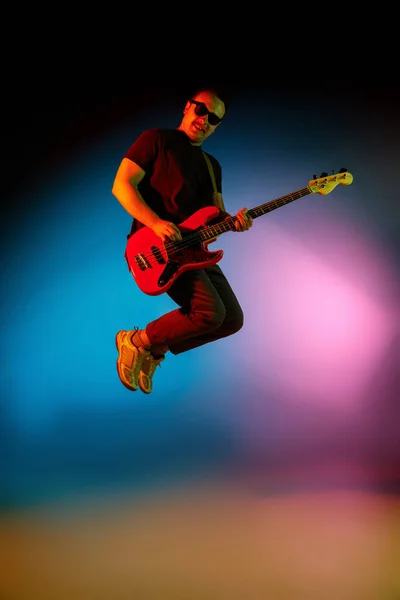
column 258, row 211
column 229, row 223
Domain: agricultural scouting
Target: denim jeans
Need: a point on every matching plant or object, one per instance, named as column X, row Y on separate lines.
column 208, row 311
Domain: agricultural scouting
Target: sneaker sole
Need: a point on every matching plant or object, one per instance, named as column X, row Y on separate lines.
column 128, row 387
column 143, row 388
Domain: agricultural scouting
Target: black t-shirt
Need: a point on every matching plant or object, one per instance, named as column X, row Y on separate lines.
column 177, row 181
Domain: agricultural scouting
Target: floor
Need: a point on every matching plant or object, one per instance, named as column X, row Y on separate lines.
column 205, row 541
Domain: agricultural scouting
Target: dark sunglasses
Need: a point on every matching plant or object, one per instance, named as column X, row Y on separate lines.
column 202, row 110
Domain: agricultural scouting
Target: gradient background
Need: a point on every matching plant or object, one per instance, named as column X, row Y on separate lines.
column 265, row 463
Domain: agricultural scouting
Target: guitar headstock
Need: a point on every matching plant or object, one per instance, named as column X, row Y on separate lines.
column 326, row 183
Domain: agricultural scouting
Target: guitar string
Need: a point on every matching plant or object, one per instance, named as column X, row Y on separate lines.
column 176, row 247
column 173, row 248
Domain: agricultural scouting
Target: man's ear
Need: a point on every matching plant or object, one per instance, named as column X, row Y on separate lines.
column 187, row 106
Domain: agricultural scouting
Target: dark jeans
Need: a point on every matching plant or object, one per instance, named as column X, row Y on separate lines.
column 209, row 310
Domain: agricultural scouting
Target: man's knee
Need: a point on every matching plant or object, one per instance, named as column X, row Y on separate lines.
column 237, row 322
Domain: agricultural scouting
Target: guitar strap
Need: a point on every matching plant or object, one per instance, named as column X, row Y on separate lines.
column 211, row 171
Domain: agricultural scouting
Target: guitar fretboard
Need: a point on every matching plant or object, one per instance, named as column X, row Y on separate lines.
column 229, row 224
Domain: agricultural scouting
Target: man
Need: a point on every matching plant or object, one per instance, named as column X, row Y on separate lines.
column 163, row 179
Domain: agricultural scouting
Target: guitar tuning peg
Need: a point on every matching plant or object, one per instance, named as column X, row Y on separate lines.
column 343, row 170
column 314, row 177
column 324, row 175
column 333, row 171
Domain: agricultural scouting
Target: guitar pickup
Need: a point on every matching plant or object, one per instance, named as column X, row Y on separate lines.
column 142, row 262
column 158, row 256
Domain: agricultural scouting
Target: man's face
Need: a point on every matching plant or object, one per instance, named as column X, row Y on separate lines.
column 197, row 122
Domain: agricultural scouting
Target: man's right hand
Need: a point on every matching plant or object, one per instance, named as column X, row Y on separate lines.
column 167, row 231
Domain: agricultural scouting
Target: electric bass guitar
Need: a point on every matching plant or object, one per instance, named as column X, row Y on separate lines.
column 156, row 265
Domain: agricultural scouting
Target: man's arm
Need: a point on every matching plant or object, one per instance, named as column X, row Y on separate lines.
column 127, row 178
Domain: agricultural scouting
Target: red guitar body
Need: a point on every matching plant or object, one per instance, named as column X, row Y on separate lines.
column 156, row 265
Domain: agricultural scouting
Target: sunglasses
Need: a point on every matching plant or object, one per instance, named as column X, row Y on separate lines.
column 202, row 110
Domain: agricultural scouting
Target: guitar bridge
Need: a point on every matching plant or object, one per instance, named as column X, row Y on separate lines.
column 142, row 262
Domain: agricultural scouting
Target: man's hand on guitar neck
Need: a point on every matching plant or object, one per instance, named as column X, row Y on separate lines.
column 243, row 220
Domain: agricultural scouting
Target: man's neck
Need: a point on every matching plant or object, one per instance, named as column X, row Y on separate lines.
column 191, row 142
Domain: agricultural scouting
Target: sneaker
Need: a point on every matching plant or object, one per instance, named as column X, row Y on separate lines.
column 130, row 359
column 147, row 371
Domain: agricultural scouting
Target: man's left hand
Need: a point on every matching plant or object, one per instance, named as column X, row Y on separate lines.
column 243, row 220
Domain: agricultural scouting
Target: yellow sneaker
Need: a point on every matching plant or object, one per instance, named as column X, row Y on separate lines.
column 149, row 365
column 130, row 359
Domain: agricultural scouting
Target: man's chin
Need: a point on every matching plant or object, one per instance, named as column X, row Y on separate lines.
column 196, row 136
